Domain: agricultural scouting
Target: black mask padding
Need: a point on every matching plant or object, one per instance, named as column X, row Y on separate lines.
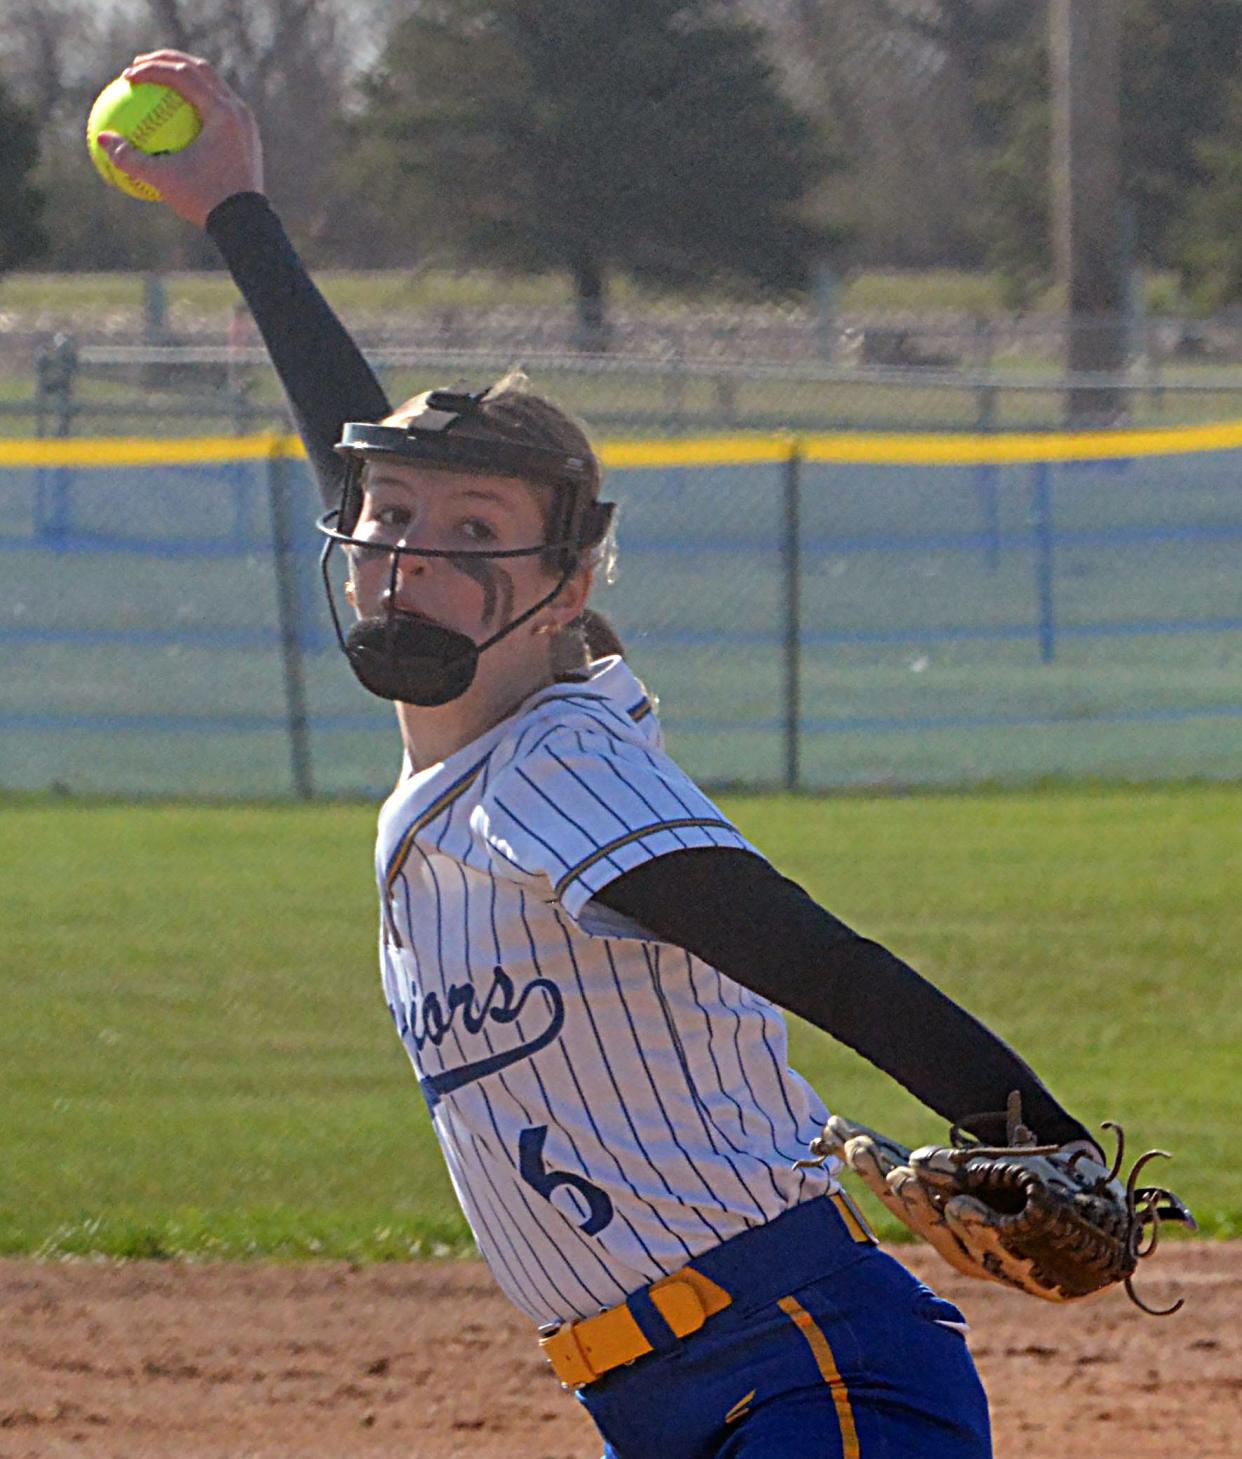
column 411, row 661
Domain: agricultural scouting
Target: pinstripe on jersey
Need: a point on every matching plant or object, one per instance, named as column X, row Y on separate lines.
column 608, row 1105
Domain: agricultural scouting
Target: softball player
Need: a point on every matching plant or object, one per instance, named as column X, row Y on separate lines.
column 583, row 958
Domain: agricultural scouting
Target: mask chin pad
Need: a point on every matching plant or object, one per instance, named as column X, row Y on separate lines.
column 410, row 661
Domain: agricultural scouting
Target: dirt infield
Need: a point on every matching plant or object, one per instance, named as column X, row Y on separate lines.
column 425, row 1361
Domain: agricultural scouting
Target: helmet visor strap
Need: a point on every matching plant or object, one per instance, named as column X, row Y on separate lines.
column 405, row 658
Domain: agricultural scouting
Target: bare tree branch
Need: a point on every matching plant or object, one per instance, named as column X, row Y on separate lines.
column 171, row 23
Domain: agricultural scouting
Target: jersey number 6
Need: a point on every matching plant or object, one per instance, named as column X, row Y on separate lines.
column 535, row 1174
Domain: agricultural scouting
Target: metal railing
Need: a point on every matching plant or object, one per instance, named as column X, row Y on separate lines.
column 116, row 388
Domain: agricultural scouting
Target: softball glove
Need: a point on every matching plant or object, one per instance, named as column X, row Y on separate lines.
column 1050, row 1220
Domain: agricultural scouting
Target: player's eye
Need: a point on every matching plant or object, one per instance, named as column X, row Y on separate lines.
column 390, row 516
column 478, row 530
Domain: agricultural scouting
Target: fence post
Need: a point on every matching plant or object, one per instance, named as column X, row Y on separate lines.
column 988, row 479
column 791, row 555
column 675, row 390
column 55, row 372
column 285, row 564
column 1041, row 515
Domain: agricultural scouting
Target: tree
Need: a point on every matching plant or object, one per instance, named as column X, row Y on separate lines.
column 21, row 233
column 288, row 58
column 963, row 30
column 1179, row 61
column 895, row 78
column 1209, row 243
column 1178, row 58
column 649, row 138
column 1015, row 207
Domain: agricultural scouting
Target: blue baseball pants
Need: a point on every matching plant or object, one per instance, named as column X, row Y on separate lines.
column 829, row 1350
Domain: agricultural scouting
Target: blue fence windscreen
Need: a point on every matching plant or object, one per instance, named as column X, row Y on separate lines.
column 847, row 625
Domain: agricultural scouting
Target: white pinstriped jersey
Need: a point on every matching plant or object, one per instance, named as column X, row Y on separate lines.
column 609, row 1106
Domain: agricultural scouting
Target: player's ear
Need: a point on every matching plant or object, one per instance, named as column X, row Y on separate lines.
column 572, row 598
column 566, row 607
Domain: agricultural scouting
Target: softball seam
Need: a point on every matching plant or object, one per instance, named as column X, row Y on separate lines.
column 163, row 110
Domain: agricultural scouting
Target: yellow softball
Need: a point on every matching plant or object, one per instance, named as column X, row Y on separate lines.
column 152, row 118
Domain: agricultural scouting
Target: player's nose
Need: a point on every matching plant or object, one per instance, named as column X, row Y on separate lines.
column 404, row 575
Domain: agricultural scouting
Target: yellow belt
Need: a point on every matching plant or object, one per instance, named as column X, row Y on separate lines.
column 581, row 1352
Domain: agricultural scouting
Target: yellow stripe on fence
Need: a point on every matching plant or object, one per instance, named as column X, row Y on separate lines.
column 832, row 448
column 738, row 450
column 923, row 448
column 147, row 451
column 1019, row 447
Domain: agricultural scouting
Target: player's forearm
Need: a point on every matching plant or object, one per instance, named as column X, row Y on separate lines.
column 323, row 372
column 885, row 1011
column 736, row 912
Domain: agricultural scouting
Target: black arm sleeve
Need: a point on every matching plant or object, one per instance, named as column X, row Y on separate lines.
column 736, row 912
column 323, row 372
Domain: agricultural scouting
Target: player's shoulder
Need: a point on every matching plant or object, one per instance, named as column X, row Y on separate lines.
column 600, row 713
column 583, row 790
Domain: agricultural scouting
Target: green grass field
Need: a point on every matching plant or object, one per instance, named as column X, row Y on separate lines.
column 196, row 1059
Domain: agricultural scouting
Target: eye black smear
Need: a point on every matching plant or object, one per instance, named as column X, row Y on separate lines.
column 496, row 583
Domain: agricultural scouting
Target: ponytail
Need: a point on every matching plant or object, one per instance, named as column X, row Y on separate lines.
column 600, row 637
column 589, row 637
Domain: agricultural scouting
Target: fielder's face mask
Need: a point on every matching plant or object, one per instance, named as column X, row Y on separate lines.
column 398, row 655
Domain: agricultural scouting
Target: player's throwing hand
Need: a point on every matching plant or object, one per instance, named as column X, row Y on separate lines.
column 227, row 156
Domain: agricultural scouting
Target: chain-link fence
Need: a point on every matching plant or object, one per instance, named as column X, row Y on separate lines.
column 762, row 369
column 818, row 612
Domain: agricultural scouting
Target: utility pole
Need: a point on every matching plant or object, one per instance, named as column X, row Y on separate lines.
column 1086, row 197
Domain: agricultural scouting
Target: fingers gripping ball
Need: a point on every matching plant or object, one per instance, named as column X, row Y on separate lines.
column 152, row 118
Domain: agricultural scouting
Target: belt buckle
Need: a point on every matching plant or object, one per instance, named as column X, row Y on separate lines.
column 561, row 1348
